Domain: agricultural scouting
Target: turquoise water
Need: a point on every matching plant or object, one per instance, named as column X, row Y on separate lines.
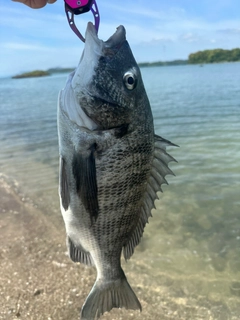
column 193, row 240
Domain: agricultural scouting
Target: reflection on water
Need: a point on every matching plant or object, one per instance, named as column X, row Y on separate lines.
column 192, row 244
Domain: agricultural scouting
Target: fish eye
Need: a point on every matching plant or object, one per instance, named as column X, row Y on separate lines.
column 130, row 80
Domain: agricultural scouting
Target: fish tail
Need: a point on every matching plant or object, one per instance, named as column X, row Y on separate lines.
column 106, row 295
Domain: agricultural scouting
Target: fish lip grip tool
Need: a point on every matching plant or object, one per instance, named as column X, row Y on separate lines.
column 75, row 7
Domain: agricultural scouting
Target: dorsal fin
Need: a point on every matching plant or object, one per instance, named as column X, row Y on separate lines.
column 157, row 177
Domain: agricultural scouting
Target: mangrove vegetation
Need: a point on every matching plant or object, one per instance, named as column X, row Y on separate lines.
column 163, row 63
column 200, row 57
column 214, row 56
column 35, row 73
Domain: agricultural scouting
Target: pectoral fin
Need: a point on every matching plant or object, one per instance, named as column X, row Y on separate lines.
column 64, row 189
column 84, row 171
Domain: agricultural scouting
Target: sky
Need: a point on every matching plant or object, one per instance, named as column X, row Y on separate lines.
column 157, row 30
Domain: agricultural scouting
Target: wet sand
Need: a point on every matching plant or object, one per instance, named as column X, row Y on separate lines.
column 39, row 282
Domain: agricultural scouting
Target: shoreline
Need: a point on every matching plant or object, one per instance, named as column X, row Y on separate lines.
column 173, row 63
column 38, row 281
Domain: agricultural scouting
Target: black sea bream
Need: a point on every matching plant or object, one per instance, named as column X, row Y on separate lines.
column 111, row 166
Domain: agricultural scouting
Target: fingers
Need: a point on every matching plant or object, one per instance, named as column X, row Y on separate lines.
column 35, row 4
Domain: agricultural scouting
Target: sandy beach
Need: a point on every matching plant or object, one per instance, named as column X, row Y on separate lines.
column 39, row 282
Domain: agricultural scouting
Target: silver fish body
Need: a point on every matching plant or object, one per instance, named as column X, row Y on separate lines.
column 111, row 166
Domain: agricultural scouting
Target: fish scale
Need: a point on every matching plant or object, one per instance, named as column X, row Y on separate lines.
column 111, row 166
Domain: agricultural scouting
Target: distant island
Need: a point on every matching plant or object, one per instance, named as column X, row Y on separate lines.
column 163, row 63
column 200, row 57
column 214, row 56
column 36, row 73
column 42, row 73
column 60, row 70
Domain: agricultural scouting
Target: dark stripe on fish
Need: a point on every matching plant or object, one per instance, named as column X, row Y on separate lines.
column 84, row 171
column 64, row 189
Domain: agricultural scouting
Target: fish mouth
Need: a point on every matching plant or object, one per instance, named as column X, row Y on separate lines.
column 117, row 39
column 95, row 50
column 112, row 44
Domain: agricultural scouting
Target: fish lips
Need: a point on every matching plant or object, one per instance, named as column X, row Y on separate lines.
column 96, row 48
column 109, row 47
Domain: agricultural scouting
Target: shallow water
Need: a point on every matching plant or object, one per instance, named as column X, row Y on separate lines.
column 193, row 240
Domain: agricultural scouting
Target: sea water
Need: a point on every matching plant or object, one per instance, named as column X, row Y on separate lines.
column 192, row 243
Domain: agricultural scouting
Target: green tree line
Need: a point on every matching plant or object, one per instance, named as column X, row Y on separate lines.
column 216, row 55
column 163, row 63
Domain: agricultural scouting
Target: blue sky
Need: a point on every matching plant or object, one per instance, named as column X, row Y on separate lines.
column 163, row 30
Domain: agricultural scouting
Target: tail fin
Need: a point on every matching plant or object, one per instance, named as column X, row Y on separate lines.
column 105, row 296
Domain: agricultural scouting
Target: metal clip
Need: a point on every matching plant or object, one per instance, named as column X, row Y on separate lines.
column 73, row 7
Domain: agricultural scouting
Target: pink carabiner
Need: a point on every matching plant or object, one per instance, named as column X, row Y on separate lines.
column 73, row 7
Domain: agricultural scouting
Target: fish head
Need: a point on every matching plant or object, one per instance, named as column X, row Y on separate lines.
column 107, row 82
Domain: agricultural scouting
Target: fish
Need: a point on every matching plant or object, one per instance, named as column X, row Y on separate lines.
column 112, row 165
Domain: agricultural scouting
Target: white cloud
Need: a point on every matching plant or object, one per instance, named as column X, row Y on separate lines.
column 190, row 37
column 23, row 46
column 229, row 31
column 134, row 10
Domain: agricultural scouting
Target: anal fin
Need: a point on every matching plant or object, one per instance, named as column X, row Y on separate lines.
column 78, row 254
